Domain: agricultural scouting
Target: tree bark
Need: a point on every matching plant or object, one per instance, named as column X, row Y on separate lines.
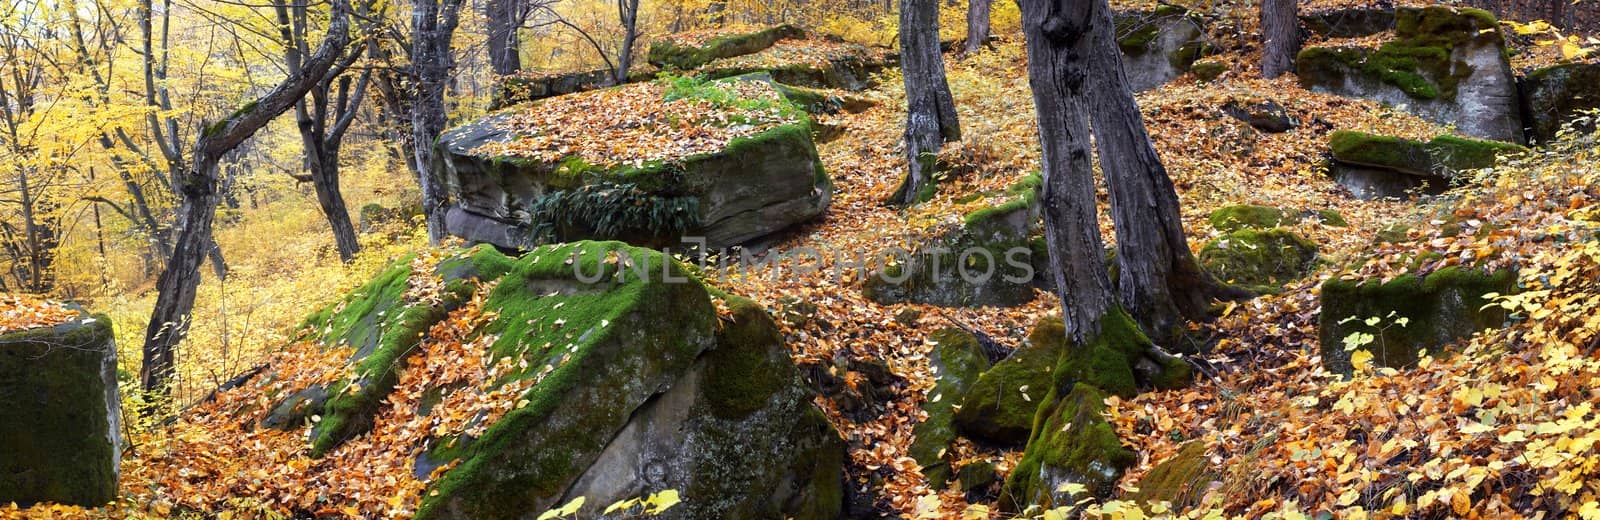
column 977, row 24
column 433, row 25
column 628, row 14
column 505, row 44
column 1057, row 43
column 930, row 109
column 1160, row 282
column 199, row 192
column 323, row 116
column 1280, row 30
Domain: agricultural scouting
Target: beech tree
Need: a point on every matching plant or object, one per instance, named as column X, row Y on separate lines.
column 930, row 109
column 199, row 192
column 1280, row 34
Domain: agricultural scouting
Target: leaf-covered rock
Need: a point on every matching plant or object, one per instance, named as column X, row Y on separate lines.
column 1556, row 95
column 1262, row 260
column 957, row 362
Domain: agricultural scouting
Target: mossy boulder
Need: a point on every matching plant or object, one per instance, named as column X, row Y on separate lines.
column 691, row 53
column 1375, row 166
column 957, row 362
column 815, row 63
column 60, row 417
column 1072, row 444
column 756, row 186
column 1408, row 315
column 1208, row 70
column 999, row 407
column 1261, row 260
column 1247, row 216
column 989, row 260
column 1349, row 22
column 1445, row 64
column 1180, row 480
column 1159, row 45
column 1554, row 96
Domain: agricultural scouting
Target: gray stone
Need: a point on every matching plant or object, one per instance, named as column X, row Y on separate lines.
column 1349, row 22
column 1409, row 314
column 1556, row 95
column 1158, row 46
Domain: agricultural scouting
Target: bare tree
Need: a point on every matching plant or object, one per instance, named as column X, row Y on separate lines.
column 977, row 24
column 930, row 109
column 323, row 116
column 1280, row 28
column 198, row 186
column 628, row 15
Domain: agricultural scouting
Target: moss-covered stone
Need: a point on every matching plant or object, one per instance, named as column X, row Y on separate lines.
column 957, row 362
column 755, row 186
column 1262, row 260
column 1383, row 166
column 1180, row 480
column 1208, row 70
column 1072, row 443
column 988, row 261
column 670, row 53
column 999, row 407
column 60, row 421
column 1557, row 95
column 1246, row 216
column 976, row 477
column 1331, row 218
column 1159, row 45
column 1349, row 22
column 1407, row 315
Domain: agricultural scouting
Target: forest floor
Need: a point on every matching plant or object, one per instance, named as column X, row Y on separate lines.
column 1506, row 426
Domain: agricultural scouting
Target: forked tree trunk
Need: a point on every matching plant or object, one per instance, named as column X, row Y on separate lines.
column 1280, row 30
column 628, row 15
column 1057, row 44
column 977, row 24
column 1160, row 283
column 200, row 194
column 930, row 109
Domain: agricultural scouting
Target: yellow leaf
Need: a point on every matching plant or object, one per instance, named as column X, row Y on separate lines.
column 1461, row 502
column 662, row 500
column 1361, row 360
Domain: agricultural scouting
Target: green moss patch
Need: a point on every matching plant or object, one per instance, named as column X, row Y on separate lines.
column 1245, row 216
column 1180, row 480
column 1073, row 444
column 999, row 407
column 1261, row 260
column 1398, row 320
column 1418, row 61
column 692, row 50
column 957, row 362
column 1442, row 156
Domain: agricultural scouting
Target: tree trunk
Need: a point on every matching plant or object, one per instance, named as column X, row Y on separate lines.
column 505, row 44
column 930, row 109
column 977, row 24
column 1057, row 44
column 1280, row 28
column 628, row 14
column 199, row 195
column 325, row 180
column 1160, row 283
column 433, row 25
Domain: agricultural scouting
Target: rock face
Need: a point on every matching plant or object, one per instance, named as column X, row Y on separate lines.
column 988, row 261
column 1349, row 22
column 1407, row 315
column 957, row 362
column 1445, row 64
column 1374, row 166
column 783, row 51
column 629, row 384
column 1265, row 115
column 1160, row 45
column 60, row 417
column 755, row 186
column 1553, row 95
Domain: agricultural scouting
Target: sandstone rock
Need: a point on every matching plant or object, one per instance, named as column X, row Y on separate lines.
column 1349, row 22
column 1373, row 166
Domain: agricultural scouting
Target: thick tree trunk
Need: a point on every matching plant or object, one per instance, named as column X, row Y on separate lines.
column 505, row 44
column 433, row 25
column 1280, row 30
column 198, row 189
column 930, row 109
column 1057, row 45
column 977, row 24
column 1160, row 282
